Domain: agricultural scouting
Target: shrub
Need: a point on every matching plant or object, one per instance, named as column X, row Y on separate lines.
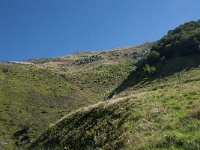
column 5, row 70
column 153, row 57
column 184, row 40
column 148, row 69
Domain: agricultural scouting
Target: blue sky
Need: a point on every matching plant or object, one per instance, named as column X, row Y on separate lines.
column 50, row 28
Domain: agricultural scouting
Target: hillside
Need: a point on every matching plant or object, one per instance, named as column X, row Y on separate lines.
column 153, row 89
column 182, row 41
column 161, row 114
column 35, row 93
column 156, row 107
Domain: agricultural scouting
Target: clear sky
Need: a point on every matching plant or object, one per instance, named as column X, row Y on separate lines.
column 49, row 28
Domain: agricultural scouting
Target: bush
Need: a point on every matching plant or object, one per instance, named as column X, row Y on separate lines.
column 184, row 40
column 148, row 69
column 5, row 70
column 153, row 57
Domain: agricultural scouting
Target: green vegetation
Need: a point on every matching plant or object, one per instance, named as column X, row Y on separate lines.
column 156, row 106
column 90, row 130
column 162, row 69
column 184, row 40
column 107, row 75
column 31, row 98
column 161, row 114
column 151, row 58
column 34, row 95
column 148, row 69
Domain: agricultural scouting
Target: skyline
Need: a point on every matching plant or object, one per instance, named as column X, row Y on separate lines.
column 51, row 28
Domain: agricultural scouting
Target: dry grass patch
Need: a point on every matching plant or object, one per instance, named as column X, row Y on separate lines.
column 195, row 112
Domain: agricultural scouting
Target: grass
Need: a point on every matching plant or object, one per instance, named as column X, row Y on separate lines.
column 168, row 69
column 166, row 116
column 29, row 98
column 32, row 96
column 157, row 111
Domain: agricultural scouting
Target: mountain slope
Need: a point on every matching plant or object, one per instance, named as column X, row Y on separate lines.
column 155, row 101
column 156, row 107
column 36, row 93
column 182, row 41
column 164, row 115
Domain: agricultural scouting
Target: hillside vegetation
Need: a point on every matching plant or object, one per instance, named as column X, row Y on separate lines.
column 158, row 114
column 154, row 91
column 156, row 107
column 34, row 94
column 182, row 41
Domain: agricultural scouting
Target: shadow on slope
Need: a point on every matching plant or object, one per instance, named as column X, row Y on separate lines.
column 163, row 69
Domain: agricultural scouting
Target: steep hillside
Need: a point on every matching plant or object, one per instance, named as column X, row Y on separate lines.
column 156, row 107
column 182, row 41
column 154, row 91
column 36, row 93
column 158, row 114
column 30, row 98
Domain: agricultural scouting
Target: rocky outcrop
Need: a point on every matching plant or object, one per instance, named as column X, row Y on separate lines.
column 88, row 59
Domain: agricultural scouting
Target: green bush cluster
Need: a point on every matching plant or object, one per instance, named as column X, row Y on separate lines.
column 151, row 58
column 148, row 69
column 183, row 40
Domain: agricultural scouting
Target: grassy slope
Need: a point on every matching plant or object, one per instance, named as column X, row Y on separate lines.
column 33, row 96
column 159, row 113
column 138, row 79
